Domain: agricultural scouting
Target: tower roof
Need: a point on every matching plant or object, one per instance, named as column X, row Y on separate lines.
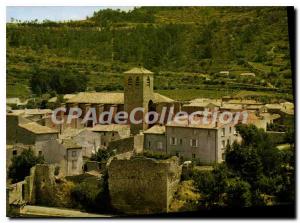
column 138, row 70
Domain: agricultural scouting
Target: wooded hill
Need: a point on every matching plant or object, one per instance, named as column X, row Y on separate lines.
column 185, row 46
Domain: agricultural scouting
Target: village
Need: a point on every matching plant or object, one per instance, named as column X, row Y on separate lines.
column 143, row 164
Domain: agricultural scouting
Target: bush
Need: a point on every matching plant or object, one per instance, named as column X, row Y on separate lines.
column 100, row 156
column 238, row 193
column 21, row 165
column 92, row 197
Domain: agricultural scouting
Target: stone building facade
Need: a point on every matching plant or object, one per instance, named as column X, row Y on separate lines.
column 204, row 143
column 155, row 139
column 67, row 155
column 21, row 130
column 143, row 186
column 109, row 133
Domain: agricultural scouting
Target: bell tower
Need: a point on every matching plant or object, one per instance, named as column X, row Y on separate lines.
column 138, row 92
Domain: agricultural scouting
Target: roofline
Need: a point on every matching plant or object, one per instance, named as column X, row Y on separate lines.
column 192, row 127
column 154, row 133
column 38, row 133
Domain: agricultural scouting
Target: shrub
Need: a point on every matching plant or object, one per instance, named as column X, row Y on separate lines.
column 21, row 165
column 238, row 193
column 92, row 197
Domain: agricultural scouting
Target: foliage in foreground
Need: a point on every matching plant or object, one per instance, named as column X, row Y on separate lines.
column 21, row 164
column 92, row 197
column 252, row 171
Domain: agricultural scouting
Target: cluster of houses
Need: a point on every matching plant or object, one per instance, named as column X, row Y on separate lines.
column 70, row 145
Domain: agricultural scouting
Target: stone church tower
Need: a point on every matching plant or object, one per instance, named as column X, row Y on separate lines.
column 138, row 92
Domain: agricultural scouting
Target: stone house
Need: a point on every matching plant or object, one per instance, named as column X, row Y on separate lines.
column 257, row 108
column 89, row 141
column 112, row 132
column 74, row 161
column 231, row 107
column 155, row 139
column 16, row 102
column 19, row 129
column 66, row 154
column 65, row 97
column 224, row 73
column 206, row 143
column 274, row 108
column 201, row 105
column 35, row 115
column 30, row 133
column 247, row 74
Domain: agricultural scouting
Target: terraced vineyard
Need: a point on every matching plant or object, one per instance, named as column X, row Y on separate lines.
column 186, row 48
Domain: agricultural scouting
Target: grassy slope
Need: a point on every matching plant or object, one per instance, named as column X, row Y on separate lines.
column 103, row 72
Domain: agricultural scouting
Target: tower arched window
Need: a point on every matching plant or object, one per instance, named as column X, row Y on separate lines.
column 148, row 81
column 137, row 81
column 129, row 81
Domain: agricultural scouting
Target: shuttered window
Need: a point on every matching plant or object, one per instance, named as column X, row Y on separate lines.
column 173, row 141
column 193, row 142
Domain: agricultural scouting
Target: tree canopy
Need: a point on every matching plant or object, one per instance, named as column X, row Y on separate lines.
column 21, row 164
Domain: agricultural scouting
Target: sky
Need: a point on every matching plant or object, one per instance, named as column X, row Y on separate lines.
column 54, row 13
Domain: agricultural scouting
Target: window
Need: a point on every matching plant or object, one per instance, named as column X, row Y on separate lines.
column 180, row 141
column 104, row 144
column 104, row 133
column 223, row 132
column 193, row 155
column 173, row 141
column 148, row 81
column 223, row 144
column 113, row 134
column 40, row 153
column 137, row 81
column 74, row 164
column 223, row 156
column 74, row 153
column 194, row 142
column 129, row 81
column 159, row 145
column 228, row 141
column 149, row 144
column 15, row 152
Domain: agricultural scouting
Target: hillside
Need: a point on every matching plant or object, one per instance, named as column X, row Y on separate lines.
column 185, row 46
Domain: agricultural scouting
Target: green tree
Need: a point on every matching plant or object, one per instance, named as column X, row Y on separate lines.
column 100, row 156
column 92, row 197
column 238, row 193
column 245, row 162
column 212, row 185
column 258, row 145
column 21, row 164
